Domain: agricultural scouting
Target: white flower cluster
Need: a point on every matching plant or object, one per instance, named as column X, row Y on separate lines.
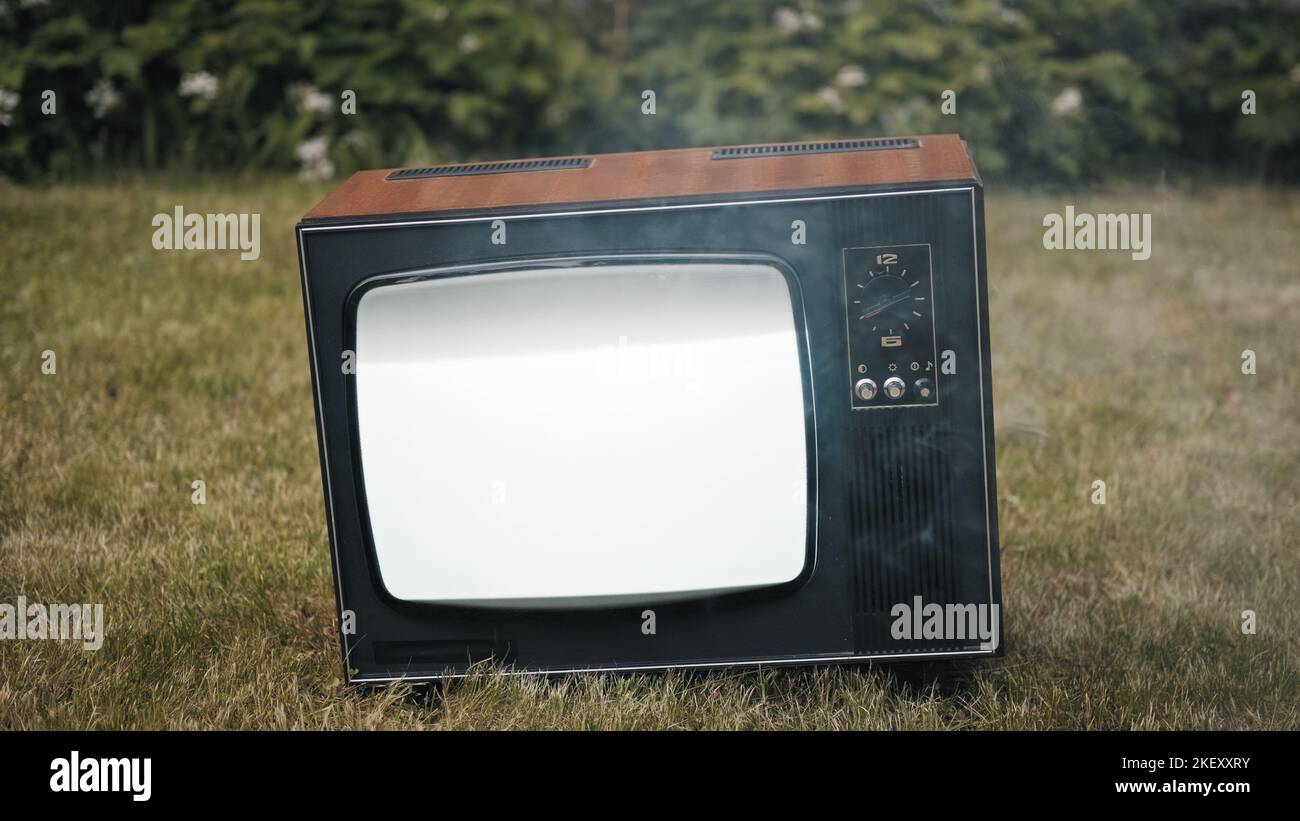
column 1011, row 17
column 829, row 96
column 851, row 77
column 200, row 84
column 1067, row 101
column 103, row 98
column 793, row 21
column 8, row 102
column 314, row 156
column 311, row 100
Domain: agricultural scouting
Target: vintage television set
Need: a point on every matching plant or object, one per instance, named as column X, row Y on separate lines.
column 685, row 408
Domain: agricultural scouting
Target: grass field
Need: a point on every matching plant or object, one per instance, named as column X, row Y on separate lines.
column 179, row 366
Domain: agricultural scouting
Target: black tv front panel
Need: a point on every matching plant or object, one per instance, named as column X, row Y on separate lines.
column 717, row 429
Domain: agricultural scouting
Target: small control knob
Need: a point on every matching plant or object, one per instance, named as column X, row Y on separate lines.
column 924, row 388
column 895, row 387
column 865, row 389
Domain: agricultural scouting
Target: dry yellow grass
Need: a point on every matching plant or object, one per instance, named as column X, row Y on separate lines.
column 179, row 366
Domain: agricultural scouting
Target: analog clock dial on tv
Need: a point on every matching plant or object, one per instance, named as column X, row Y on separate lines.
column 891, row 299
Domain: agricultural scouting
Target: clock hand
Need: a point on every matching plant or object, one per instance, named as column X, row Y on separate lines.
column 885, row 305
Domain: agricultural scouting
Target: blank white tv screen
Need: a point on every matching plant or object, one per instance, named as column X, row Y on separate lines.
column 584, row 435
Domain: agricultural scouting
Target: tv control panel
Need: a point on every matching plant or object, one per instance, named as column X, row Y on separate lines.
column 889, row 309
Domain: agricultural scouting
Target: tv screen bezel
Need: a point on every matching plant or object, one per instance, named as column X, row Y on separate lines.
column 526, row 262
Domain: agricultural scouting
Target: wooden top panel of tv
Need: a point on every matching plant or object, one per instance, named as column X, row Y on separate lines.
column 652, row 175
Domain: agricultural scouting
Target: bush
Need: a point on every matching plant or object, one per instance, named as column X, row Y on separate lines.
column 1043, row 91
column 261, row 83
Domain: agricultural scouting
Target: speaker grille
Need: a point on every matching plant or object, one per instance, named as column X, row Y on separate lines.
column 900, row 521
column 832, row 147
column 505, row 167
